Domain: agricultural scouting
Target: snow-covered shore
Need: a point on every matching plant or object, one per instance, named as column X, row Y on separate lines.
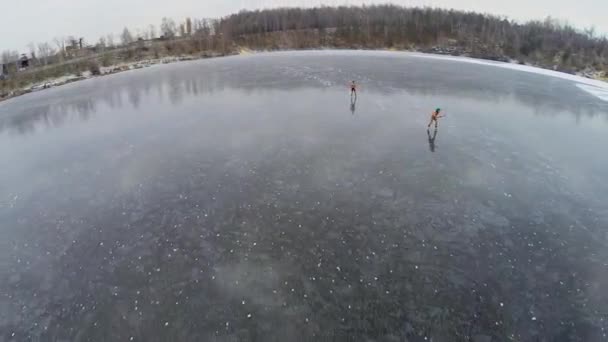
column 103, row 71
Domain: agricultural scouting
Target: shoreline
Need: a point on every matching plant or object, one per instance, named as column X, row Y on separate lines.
column 146, row 63
column 103, row 71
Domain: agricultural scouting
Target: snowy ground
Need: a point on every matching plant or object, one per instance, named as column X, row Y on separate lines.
column 252, row 198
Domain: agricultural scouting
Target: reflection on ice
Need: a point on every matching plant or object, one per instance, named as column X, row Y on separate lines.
column 432, row 138
column 299, row 70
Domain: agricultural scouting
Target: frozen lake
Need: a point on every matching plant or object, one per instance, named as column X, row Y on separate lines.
column 246, row 198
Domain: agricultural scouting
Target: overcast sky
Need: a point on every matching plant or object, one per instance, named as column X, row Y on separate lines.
column 22, row 22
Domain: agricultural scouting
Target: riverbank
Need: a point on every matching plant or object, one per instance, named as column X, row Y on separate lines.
column 101, row 72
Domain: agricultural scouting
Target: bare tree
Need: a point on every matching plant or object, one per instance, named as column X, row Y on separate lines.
column 45, row 50
column 60, row 44
column 7, row 56
column 152, row 31
column 74, row 43
column 188, row 26
column 110, row 40
column 205, row 27
column 32, row 49
column 101, row 44
column 144, row 34
column 140, row 34
column 125, row 37
column 168, row 28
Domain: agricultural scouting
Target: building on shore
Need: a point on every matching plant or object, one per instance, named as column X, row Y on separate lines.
column 24, row 62
column 20, row 64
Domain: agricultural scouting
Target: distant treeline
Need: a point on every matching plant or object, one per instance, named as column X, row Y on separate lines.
column 546, row 43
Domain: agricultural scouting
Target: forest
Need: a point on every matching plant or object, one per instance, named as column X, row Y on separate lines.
column 548, row 43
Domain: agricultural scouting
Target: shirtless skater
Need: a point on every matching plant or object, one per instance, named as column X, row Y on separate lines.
column 434, row 116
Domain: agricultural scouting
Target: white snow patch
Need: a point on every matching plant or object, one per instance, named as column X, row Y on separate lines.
column 599, row 92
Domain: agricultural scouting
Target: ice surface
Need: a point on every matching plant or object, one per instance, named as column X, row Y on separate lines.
column 243, row 198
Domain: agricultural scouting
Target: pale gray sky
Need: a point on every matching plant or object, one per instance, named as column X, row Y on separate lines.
column 22, row 22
